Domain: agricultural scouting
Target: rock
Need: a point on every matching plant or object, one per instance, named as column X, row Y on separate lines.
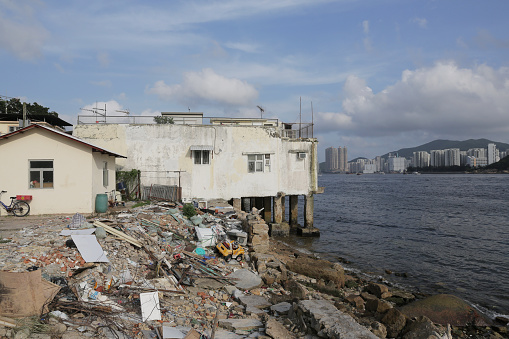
column 329, row 322
column 394, row 321
column 445, row 309
column 355, row 300
column 254, row 303
column 423, row 328
column 318, row 269
column 296, row 290
column 58, row 329
column 379, row 329
column 277, row 331
column 379, row 290
column 281, row 308
column 240, row 324
column 377, row 305
column 247, row 279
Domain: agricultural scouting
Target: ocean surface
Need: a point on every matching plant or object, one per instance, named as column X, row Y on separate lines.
column 448, row 232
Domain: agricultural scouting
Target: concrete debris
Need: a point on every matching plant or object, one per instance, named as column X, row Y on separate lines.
column 151, row 272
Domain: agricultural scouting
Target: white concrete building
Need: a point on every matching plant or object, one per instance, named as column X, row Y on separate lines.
column 397, row 164
column 420, row 159
column 452, row 157
column 493, row 154
column 217, row 161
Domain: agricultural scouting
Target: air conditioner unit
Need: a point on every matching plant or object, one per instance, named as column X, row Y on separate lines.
column 302, row 155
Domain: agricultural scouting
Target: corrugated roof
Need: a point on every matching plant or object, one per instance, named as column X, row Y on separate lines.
column 94, row 147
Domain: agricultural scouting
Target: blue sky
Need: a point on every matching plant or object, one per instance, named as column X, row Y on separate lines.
column 381, row 75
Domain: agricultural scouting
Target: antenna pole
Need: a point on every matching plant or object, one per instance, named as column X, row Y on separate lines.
column 300, row 116
column 312, row 120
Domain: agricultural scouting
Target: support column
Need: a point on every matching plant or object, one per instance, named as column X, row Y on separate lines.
column 283, row 207
column 267, row 211
column 309, row 205
column 246, row 204
column 294, row 210
column 278, row 210
column 237, row 204
column 309, row 229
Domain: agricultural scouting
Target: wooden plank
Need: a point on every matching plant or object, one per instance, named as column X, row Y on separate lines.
column 118, row 233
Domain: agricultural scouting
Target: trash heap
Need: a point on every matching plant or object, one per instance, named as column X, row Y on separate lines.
column 155, row 271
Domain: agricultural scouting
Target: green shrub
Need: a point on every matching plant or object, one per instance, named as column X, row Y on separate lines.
column 188, row 210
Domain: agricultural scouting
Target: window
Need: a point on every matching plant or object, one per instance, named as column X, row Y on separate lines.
column 41, row 173
column 201, row 157
column 13, row 129
column 258, row 163
column 105, row 174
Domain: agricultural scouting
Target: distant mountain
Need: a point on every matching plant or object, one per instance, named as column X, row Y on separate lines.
column 444, row 144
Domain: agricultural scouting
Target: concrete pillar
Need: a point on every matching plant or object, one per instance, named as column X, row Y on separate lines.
column 308, row 210
column 294, row 210
column 278, row 210
column 283, row 207
column 246, row 204
column 237, row 203
column 267, row 212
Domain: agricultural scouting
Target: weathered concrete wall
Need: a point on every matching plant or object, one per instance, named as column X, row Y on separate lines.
column 160, row 150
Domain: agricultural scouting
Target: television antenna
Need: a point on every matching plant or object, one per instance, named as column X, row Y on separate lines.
column 99, row 112
column 261, row 110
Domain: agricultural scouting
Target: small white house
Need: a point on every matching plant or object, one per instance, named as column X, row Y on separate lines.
column 61, row 173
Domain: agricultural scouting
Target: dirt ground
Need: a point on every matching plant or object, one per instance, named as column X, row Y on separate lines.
column 10, row 224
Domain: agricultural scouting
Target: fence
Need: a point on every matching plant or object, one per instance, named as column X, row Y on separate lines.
column 160, row 192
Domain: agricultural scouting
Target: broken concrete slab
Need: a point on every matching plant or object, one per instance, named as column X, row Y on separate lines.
column 281, row 308
column 247, row 280
column 329, row 322
column 240, row 324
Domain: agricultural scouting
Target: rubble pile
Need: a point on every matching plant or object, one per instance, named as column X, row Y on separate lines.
column 152, row 272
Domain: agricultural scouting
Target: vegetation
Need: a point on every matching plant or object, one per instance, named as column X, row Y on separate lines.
column 188, row 210
column 130, row 181
column 441, row 169
column 141, row 203
column 502, row 165
column 15, row 106
column 164, row 120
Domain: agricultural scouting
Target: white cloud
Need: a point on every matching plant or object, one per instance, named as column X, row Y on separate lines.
column 365, row 26
column 421, row 22
column 102, row 83
column 20, row 33
column 441, row 101
column 104, row 59
column 206, row 87
column 242, row 46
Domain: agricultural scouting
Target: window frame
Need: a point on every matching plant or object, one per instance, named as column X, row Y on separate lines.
column 105, row 174
column 42, row 172
column 201, row 157
column 258, row 162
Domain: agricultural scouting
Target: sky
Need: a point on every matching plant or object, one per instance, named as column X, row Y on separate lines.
column 374, row 76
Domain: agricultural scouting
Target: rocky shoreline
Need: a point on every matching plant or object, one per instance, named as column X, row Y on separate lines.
column 277, row 292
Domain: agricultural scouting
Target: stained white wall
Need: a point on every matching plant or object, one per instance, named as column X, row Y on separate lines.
column 160, row 150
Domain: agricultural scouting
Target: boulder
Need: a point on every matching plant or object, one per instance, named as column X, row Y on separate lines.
column 379, row 329
column 318, row 269
column 445, row 309
column 423, row 328
column 277, row 331
column 247, row 280
column 380, row 290
column 377, row 305
column 394, row 321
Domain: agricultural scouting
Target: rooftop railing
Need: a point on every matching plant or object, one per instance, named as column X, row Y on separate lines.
column 289, row 130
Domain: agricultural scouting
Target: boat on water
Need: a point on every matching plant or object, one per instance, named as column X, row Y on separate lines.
column 416, row 173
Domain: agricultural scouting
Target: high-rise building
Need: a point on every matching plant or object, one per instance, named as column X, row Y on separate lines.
column 452, row 157
column 343, row 159
column 492, row 154
column 420, row 159
column 437, row 158
column 331, row 159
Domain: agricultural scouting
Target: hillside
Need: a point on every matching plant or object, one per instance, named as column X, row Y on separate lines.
column 444, row 144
